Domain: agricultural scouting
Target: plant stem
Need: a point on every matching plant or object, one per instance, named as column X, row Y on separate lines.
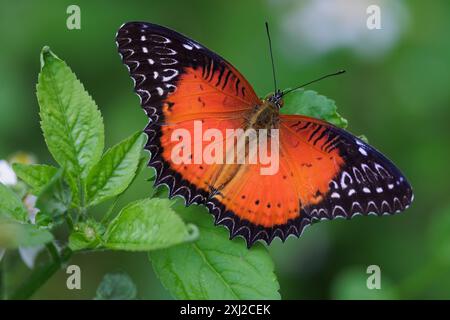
column 40, row 276
column 3, row 289
column 53, row 251
column 108, row 213
column 69, row 220
column 82, row 208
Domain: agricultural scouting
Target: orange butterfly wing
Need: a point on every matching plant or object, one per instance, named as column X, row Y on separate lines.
column 179, row 81
column 259, row 206
column 266, row 206
column 324, row 172
column 339, row 174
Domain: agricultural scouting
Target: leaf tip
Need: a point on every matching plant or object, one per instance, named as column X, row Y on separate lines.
column 46, row 53
column 363, row 138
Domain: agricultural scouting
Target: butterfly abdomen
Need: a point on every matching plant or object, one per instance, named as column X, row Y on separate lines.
column 264, row 116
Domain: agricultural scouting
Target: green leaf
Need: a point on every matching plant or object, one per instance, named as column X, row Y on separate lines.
column 35, row 175
column 116, row 286
column 78, row 241
column 312, row 104
column 75, row 185
column 363, row 138
column 14, row 234
column 143, row 161
column 87, row 235
column 72, row 124
column 115, row 171
column 55, row 197
column 145, row 225
column 10, row 205
column 213, row 267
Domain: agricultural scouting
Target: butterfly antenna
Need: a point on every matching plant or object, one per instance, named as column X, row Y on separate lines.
column 271, row 57
column 318, row 79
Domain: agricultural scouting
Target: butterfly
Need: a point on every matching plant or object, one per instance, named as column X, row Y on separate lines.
column 324, row 171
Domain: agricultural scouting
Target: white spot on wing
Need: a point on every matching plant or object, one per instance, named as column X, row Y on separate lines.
column 163, row 51
column 167, row 61
column 170, row 76
column 335, row 195
column 170, row 86
column 345, row 176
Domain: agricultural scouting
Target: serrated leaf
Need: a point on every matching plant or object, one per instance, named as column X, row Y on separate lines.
column 10, row 205
column 145, row 225
column 312, row 104
column 115, row 171
column 55, row 197
column 116, row 286
column 35, row 175
column 71, row 122
column 86, row 235
column 213, row 267
column 14, row 234
column 20, row 189
column 143, row 161
column 75, row 186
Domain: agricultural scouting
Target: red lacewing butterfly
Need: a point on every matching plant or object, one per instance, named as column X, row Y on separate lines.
column 324, row 171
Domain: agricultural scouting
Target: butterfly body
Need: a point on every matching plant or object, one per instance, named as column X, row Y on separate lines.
column 265, row 116
column 323, row 171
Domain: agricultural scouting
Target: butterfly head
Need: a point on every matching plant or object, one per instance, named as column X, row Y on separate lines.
column 276, row 98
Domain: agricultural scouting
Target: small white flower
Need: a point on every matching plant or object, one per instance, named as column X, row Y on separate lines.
column 29, row 254
column 30, row 203
column 7, row 175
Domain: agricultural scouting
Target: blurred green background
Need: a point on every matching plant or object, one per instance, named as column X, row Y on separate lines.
column 395, row 91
